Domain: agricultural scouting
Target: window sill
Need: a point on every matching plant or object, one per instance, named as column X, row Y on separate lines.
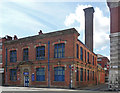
column 39, row 81
column 59, row 81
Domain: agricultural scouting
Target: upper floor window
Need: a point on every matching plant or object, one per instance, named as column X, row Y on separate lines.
column 13, row 56
column 0, row 58
column 88, row 57
column 25, row 54
column 99, row 59
column 13, row 74
column 77, row 50
column 81, row 53
column 59, row 50
column 0, row 45
column 85, row 55
column 40, row 74
column 93, row 60
column 40, row 52
column 59, row 74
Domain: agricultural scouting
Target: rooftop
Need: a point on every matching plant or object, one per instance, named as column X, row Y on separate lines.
column 51, row 34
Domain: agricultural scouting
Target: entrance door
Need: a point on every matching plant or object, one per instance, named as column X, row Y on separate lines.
column 26, row 81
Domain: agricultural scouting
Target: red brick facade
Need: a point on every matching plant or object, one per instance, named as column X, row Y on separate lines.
column 70, row 61
column 104, row 62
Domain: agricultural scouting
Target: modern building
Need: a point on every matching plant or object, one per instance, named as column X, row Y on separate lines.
column 114, row 73
column 104, row 63
column 1, row 69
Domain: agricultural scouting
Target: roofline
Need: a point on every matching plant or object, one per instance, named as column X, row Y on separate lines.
column 86, row 47
column 54, row 33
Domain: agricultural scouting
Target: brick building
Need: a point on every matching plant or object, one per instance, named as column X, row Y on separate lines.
column 1, row 69
column 100, row 74
column 56, row 59
column 104, row 62
column 52, row 59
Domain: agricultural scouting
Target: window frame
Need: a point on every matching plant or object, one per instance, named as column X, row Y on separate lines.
column 88, row 76
column 77, row 74
column 88, row 57
column 25, row 54
column 59, row 50
column 40, row 52
column 77, row 51
column 13, row 56
column 85, row 55
column 12, row 76
column 93, row 60
column 81, row 74
column 81, row 53
column 40, row 71
column 59, row 74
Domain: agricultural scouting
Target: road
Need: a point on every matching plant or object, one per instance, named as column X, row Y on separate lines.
column 95, row 89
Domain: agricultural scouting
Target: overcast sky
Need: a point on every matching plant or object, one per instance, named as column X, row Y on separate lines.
column 26, row 18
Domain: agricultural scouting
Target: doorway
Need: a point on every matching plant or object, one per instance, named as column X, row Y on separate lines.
column 26, row 81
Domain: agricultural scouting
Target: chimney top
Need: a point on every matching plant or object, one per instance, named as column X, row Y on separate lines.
column 40, row 32
column 8, row 37
column 89, row 9
column 15, row 37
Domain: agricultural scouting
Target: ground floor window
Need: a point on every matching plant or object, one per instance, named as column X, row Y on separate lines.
column 81, row 74
column 40, row 74
column 93, row 75
column 59, row 74
column 13, row 74
column 77, row 74
column 85, row 74
column 88, row 75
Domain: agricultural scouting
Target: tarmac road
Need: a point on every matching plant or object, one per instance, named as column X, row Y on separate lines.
column 94, row 89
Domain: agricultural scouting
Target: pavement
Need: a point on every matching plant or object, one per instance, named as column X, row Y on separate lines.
column 93, row 89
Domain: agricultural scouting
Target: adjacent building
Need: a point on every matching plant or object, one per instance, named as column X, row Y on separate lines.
column 114, row 73
column 104, row 63
column 1, row 69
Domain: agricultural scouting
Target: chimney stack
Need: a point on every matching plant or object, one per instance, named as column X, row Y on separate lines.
column 40, row 33
column 15, row 37
column 89, row 27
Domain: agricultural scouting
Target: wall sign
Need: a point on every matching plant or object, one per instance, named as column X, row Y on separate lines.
column 26, row 73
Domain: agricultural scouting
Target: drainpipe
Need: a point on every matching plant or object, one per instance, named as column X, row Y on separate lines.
column 48, row 64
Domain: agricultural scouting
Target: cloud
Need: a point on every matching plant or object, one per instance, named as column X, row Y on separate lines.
column 77, row 16
column 104, row 47
column 101, row 25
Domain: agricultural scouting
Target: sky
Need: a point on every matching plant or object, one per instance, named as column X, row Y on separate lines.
column 27, row 17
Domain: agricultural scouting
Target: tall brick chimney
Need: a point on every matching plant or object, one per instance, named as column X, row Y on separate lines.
column 89, row 27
